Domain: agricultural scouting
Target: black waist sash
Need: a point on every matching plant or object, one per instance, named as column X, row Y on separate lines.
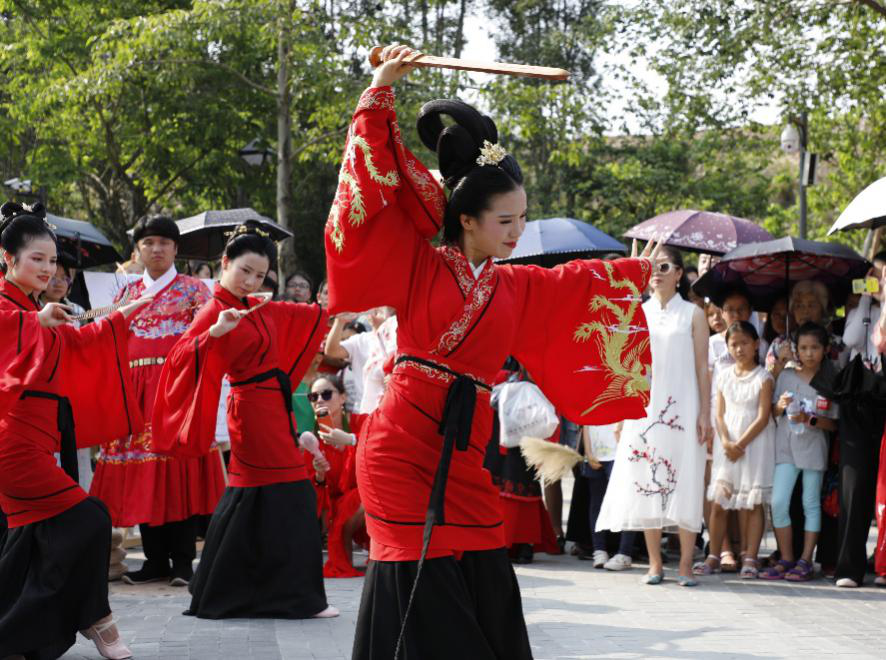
column 285, row 384
column 455, row 427
column 65, row 424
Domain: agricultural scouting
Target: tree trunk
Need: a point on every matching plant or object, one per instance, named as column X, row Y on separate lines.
column 284, row 137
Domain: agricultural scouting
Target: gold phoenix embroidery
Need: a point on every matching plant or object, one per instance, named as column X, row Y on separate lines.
column 348, row 184
column 624, row 370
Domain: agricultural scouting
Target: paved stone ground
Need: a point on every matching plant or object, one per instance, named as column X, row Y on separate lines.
column 572, row 611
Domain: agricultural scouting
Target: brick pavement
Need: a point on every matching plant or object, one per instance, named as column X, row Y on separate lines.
column 572, row 611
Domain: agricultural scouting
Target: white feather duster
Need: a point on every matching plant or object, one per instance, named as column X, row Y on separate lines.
column 551, row 461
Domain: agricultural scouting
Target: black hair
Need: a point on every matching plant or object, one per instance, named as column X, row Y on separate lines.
column 691, row 269
column 155, row 225
column 250, row 237
column 333, row 379
column 472, row 186
column 302, row 274
column 880, row 256
column 733, row 291
column 744, row 328
column 355, row 327
column 20, row 224
column 676, row 257
column 816, row 330
column 769, row 333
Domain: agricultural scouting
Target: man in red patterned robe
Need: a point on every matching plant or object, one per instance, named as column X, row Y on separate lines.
column 161, row 494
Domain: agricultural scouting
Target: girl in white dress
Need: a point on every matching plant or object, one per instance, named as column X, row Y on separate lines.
column 744, row 449
column 658, row 478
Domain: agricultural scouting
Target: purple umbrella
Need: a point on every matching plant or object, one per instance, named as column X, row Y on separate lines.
column 700, row 231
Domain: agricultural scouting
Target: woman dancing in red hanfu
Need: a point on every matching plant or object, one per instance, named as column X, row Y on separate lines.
column 440, row 584
column 263, row 554
column 54, row 380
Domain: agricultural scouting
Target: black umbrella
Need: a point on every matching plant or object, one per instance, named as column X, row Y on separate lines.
column 765, row 271
column 204, row 236
column 86, row 246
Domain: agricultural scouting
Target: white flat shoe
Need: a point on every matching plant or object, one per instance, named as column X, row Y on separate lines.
column 847, row 583
column 329, row 613
column 115, row 650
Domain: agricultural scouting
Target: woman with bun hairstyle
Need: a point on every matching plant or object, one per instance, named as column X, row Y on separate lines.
column 60, row 388
column 263, row 554
column 440, row 584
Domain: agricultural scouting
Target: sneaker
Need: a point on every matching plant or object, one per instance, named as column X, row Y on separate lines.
column 880, row 580
column 600, row 558
column 147, row 573
column 847, row 583
column 181, row 575
column 618, row 562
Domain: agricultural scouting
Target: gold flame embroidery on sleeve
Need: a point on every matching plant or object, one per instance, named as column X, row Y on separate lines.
column 624, row 371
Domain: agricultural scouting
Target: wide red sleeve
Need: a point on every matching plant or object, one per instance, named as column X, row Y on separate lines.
column 301, row 329
column 185, row 410
column 584, row 340
column 22, row 353
column 94, row 375
column 386, row 208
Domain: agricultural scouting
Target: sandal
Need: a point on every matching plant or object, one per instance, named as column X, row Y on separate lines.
column 727, row 562
column 777, row 572
column 707, row 567
column 749, row 569
column 802, row 571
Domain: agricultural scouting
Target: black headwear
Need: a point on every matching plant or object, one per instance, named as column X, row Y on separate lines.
column 13, row 210
column 155, row 225
column 457, row 146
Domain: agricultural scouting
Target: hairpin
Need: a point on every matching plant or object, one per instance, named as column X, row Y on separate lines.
column 491, row 154
column 243, row 229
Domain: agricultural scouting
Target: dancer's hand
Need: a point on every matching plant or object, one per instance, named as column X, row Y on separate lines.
column 395, row 64
column 129, row 308
column 227, row 321
column 54, row 314
column 651, row 251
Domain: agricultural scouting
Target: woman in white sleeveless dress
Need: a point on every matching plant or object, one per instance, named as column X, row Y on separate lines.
column 658, row 478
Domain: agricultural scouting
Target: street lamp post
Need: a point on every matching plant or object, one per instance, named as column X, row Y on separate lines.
column 255, row 154
column 794, row 139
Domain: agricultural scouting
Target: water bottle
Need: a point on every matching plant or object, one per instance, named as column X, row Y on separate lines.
column 794, row 408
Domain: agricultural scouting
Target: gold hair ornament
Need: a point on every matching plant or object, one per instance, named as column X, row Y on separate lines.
column 491, row 154
column 243, row 229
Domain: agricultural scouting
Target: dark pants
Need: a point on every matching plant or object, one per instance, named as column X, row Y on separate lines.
column 176, row 542
column 859, row 462
column 598, row 480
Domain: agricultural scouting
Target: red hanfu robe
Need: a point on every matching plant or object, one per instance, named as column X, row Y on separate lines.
column 137, row 483
column 279, row 336
column 42, row 371
column 578, row 329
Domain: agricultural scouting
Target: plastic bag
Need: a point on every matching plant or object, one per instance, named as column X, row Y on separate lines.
column 523, row 411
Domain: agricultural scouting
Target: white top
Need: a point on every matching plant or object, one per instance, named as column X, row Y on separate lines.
column 358, row 348
column 384, row 345
column 153, row 286
column 603, row 444
column 476, row 270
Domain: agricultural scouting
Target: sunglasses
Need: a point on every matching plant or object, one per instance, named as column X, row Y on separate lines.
column 665, row 268
column 314, row 397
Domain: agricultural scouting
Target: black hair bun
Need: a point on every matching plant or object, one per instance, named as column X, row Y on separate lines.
column 458, row 145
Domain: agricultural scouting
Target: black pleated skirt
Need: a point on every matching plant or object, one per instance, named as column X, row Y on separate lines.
column 54, row 581
column 263, row 556
column 467, row 609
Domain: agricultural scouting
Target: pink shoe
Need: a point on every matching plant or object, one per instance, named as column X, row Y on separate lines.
column 329, row 613
column 115, row 650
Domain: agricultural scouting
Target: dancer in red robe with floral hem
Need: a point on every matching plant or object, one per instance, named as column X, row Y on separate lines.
column 440, row 584
column 61, row 389
column 161, row 494
column 263, row 555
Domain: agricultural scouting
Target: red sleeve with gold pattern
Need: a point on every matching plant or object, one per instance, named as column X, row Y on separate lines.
column 584, row 337
column 385, row 209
